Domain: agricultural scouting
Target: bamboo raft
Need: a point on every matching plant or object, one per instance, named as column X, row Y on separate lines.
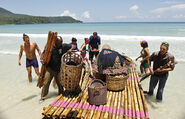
column 127, row 104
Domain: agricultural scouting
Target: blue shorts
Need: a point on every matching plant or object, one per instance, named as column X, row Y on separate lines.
column 32, row 62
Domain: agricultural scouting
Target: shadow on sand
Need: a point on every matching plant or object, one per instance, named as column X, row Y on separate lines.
column 29, row 97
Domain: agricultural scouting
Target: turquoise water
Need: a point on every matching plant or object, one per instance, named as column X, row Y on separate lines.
column 118, row 28
column 123, row 37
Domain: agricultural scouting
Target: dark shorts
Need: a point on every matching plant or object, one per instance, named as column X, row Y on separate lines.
column 91, row 54
column 145, row 64
column 32, row 62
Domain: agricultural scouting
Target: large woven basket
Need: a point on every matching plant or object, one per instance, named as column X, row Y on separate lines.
column 116, row 82
column 71, row 69
column 97, row 92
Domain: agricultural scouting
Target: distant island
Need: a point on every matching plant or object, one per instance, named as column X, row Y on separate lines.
column 7, row 17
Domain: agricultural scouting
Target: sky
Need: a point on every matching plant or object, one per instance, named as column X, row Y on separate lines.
column 102, row 10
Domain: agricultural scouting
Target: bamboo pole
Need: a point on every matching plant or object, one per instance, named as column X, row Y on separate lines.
column 109, row 94
column 111, row 105
column 129, row 113
column 132, row 96
column 72, row 104
column 78, row 107
column 51, row 105
column 145, row 105
column 54, row 108
column 118, row 107
column 87, row 113
column 43, row 67
column 115, row 105
column 82, row 112
column 122, row 104
column 91, row 112
column 108, row 106
column 62, row 107
column 82, row 77
column 84, row 90
column 85, row 109
column 100, row 111
column 138, row 96
column 47, row 56
column 126, row 102
column 142, row 101
column 68, row 108
column 135, row 96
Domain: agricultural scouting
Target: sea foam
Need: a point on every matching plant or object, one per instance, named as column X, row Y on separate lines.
column 103, row 36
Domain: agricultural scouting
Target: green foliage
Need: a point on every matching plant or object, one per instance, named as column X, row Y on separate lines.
column 7, row 17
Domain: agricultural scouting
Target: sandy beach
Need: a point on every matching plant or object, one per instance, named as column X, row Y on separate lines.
column 20, row 100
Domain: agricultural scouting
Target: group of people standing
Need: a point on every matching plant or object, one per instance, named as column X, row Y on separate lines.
column 54, row 65
column 163, row 61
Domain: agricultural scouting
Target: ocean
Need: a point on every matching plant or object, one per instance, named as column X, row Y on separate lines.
column 122, row 37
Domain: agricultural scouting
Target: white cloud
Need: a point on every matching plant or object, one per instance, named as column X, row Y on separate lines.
column 179, row 16
column 134, row 8
column 85, row 15
column 121, row 17
column 169, row 9
column 171, row 2
column 158, row 16
column 68, row 13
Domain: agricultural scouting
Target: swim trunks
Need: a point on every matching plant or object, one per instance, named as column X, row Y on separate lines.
column 145, row 64
column 32, row 62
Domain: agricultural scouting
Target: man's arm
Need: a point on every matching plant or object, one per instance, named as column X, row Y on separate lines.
column 42, row 57
column 38, row 50
column 151, row 58
column 99, row 47
column 99, row 43
column 169, row 66
column 20, row 54
column 164, row 69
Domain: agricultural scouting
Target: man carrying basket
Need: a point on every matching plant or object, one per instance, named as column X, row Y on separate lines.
column 53, row 67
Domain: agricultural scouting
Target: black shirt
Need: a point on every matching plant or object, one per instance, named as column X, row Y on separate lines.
column 55, row 61
column 165, row 62
column 94, row 42
column 107, row 58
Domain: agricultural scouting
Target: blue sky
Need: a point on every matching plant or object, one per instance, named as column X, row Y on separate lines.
column 102, row 10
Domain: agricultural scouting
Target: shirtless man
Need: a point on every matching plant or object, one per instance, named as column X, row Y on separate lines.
column 31, row 59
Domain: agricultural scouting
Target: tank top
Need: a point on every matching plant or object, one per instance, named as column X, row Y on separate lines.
column 143, row 53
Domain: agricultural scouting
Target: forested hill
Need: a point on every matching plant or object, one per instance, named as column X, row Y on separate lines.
column 7, row 17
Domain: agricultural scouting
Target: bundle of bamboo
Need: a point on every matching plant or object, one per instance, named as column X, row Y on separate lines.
column 127, row 104
column 47, row 56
